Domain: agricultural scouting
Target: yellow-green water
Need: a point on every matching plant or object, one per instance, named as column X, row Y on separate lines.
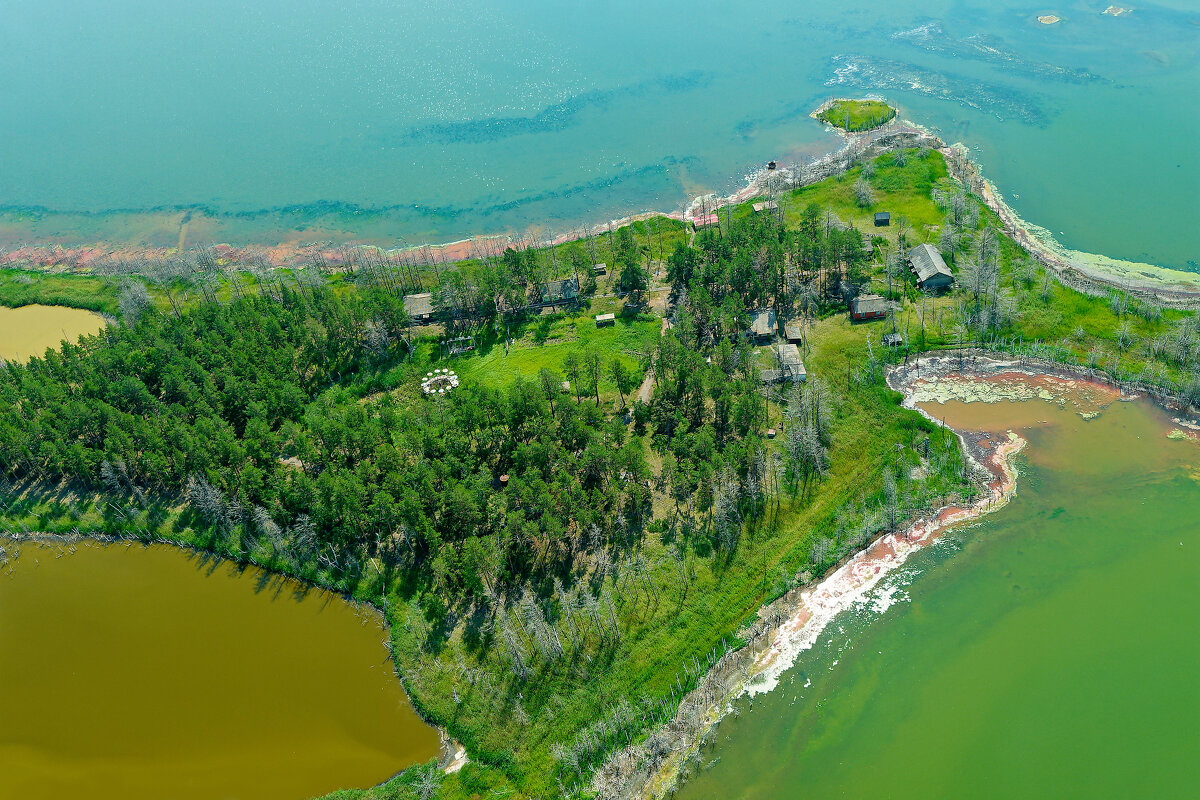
column 1049, row 651
column 29, row 330
column 150, row 672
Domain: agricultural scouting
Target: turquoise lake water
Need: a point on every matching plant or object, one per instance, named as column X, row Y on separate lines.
column 460, row 116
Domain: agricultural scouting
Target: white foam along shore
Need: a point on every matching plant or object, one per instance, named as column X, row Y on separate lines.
column 852, row 583
column 794, row 623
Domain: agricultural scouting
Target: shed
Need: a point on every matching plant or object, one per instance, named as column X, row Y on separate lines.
column 892, row 340
column 704, row 221
column 599, row 269
column 927, row 264
column 764, row 325
column 419, row 307
column 767, row 205
column 769, row 376
column 605, row 319
column 868, row 306
column 790, row 365
column 883, row 219
column 792, row 332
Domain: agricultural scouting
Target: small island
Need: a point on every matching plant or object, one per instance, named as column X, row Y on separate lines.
column 854, row 116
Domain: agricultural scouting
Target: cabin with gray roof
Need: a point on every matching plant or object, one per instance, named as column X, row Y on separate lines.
column 931, row 271
column 559, row 291
column 763, row 325
column 419, row 307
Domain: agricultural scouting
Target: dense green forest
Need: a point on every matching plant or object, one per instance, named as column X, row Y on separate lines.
column 565, row 540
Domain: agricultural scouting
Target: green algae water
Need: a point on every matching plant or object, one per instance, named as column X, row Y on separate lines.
column 1048, row 651
column 138, row 673
column 410, row 120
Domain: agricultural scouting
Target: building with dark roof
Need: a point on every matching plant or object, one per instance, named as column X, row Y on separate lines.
column 559, row 291
column 929, row 267
column 883, row 219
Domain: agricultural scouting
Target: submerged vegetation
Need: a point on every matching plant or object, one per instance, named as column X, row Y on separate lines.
column 854, row 116
column 566, row 541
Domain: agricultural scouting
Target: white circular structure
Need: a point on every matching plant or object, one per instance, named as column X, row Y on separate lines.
column 440, row 381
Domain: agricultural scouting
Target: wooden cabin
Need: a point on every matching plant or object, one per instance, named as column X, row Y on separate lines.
column 868, row 306
column 603, row 320
column 764, row 326
column 929, row 267
column 883, row 219
column 419, row 307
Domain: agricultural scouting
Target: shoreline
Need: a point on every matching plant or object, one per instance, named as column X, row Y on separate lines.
column 791, row 624
column 1088, row 273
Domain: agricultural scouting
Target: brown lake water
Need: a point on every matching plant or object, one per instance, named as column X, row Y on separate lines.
column 152, row 672
column 29, row 330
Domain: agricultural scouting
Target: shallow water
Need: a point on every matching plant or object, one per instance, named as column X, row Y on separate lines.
column 29, row 330
column 150, row 672
column 476, row 116
column 1048, row 651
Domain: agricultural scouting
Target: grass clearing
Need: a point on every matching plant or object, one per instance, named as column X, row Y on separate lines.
column 857, row 115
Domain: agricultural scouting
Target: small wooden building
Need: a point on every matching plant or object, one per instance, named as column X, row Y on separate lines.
column 893, row 340
column 605, row 319
column 599, row 269
column 419, row 307
column 764, row 326
column 792, row 332
column 883, row 219
column 791, row 368
column 868, row 306
column 766, row 205
column 929, row 267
